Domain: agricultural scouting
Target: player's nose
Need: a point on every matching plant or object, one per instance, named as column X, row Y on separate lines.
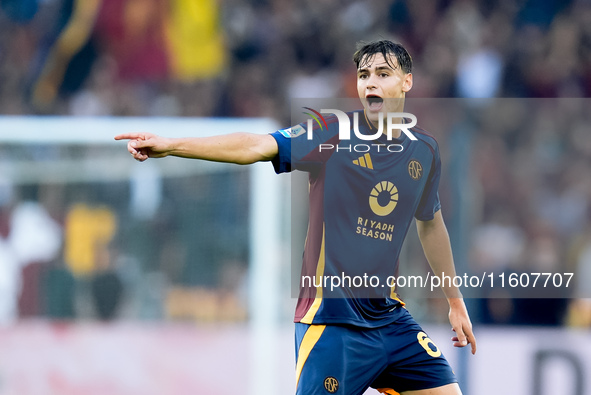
column 371, row 82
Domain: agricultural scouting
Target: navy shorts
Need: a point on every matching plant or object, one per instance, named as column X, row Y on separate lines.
column 346, row 360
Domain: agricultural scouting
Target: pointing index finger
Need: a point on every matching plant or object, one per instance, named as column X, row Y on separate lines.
column 128, row 136
column 472, row 341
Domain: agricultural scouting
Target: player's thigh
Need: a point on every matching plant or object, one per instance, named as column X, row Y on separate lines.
column 415, row 361
column 336, row 359
column 449, row 389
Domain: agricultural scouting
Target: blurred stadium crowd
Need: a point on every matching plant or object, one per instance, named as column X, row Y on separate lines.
column 247, row 58
column 529, row 188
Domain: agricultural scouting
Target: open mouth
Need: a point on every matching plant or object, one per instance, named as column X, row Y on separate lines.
column 374, row 102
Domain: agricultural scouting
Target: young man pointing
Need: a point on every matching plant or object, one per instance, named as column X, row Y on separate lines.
column 361, row 206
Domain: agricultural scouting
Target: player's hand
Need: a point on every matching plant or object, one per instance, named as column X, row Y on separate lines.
column 145, row 145
column 461, row 325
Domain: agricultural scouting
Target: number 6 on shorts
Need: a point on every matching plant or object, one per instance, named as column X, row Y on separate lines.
column 424, row 341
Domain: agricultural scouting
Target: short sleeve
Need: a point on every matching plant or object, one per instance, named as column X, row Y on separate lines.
column 299, row 151
column 429, row 203
column 282, row 161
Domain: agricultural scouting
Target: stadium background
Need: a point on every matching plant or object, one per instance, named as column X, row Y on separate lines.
column 126, row 278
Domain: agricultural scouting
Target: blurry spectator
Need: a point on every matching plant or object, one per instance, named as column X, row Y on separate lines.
column 88, row 230
column 583, row 268
column 498, row 244
column 9, row 265
column 70, row 55
column 21, row 11
column 35, row 239
column 59, row 292
column 106, row 286
column 479, row 74
column 9, row 284
column 34, row 235
column 579, row 314
column 146, row 192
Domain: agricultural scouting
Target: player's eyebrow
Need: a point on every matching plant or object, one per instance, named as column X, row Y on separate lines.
column 387, row 68
column 377, row 69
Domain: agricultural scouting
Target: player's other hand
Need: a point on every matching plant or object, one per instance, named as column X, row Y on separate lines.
column 461, row 325
column 145, row 145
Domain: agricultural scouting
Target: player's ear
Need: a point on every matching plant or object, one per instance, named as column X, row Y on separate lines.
column 407, row 83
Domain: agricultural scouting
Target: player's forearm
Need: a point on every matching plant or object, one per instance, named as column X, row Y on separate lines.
column 240, row 148
column 436, row 245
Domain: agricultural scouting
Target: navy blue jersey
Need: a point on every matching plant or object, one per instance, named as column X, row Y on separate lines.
column 363, row 197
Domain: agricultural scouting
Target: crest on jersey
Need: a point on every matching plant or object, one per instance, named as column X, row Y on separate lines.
column 331, row 384
column 415, row 169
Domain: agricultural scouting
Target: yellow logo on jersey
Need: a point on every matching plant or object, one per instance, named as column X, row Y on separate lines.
column 364, row 161
column 331, row 384
column 415, row 169
column 384, row 187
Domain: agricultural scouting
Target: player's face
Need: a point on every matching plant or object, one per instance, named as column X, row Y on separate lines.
column 377, row 80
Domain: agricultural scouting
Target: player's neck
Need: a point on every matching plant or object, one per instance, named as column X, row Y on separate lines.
column 399, row 107
column 396, row 133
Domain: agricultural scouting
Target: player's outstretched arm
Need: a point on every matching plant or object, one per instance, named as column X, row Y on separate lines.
column 437, row 247
column 240, row 148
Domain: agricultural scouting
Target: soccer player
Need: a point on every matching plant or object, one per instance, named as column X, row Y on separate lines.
column 361, row 206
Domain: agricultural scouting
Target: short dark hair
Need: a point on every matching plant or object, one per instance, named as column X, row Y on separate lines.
column 366, row 51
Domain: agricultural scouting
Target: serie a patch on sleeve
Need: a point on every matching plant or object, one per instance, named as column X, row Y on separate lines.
column 292, row 132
